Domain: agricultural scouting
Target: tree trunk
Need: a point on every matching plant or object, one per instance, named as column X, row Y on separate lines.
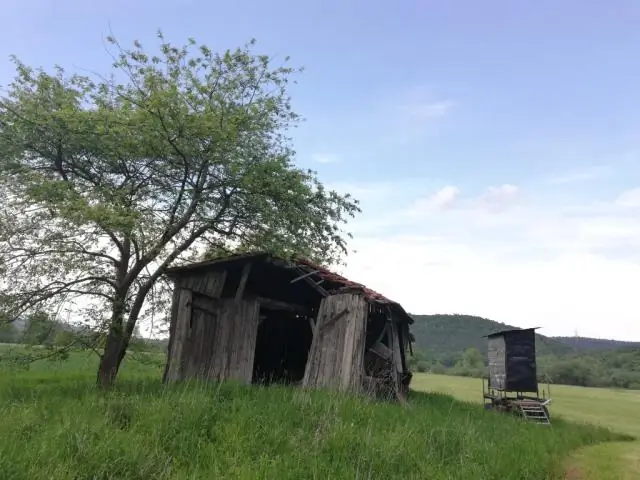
column 114, row 351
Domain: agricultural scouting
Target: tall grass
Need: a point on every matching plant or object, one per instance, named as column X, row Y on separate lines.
column 55, row 425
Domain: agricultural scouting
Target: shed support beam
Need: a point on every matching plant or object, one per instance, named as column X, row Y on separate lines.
column 243, row 282
column 289, row 307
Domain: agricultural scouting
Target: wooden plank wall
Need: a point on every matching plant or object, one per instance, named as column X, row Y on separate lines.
column 336, row 358
column 181, row 322
column 207, row 283
column 172, row 327
column 240, row 318
column 222, row 341
column 180, row 331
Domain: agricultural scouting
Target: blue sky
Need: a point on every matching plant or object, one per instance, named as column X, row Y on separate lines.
column 494, row 145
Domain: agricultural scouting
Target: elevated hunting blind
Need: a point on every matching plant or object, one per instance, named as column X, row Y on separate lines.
column 512, row 382
column 512, row 361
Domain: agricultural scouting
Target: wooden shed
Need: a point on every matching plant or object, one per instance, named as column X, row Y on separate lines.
column 254, row 318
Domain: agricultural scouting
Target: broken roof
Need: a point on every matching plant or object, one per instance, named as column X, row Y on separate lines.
column 305, row 267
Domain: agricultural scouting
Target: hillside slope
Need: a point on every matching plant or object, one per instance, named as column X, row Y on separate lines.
column 586, row 344
column 451, row 334
column 145, row 429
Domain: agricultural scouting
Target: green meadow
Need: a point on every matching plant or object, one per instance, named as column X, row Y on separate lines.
column 56, row 425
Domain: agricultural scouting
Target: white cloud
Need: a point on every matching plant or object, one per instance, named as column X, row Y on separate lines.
column 410, row 115
column 420, row 104
column 499, row 198
column 629, row 199
column 440, row 200
column 384, row 192
column 588, row 173
column 493, row 199
column 325, row 158
column 531, row 265
column 424, row 110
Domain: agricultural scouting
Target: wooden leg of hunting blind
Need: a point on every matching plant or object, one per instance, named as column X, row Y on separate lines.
column 336, row 357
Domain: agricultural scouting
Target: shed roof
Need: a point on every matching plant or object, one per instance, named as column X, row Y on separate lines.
column 502, row 333
column 307, row 266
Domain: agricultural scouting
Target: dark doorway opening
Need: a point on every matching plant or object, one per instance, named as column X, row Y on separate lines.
column 282, row 347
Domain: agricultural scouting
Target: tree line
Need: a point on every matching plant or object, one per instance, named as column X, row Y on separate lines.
column 618, row 368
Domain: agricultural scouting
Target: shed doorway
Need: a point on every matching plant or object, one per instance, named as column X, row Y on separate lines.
column 282, row 347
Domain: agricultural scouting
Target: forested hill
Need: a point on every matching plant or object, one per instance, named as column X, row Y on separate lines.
column 586, row 344
column 447, row 334
column 455, row 345
column 452, row 334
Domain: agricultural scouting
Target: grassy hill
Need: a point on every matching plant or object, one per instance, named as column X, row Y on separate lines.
column 57, row 426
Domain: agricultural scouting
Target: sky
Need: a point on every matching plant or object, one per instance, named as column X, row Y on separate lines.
column 494, row 145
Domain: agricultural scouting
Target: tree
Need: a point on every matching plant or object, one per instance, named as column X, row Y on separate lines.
column 472, row 358
column 570, row 372
column 8, row 332
column 40, row 329
column 108, row 181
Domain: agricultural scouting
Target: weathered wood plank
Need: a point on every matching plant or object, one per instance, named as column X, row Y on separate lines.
column 206, row 283
column 395, row 345
column 246, row 270
column 192, row 354
column 172, row 327
column 336, row 358
column 188, row 340
column 279, row 305
column 382, row 351
column 183, row 317
column 245, row 316
column 396, row 367
column 227, row 331
column 206, row 304
column 352, row 370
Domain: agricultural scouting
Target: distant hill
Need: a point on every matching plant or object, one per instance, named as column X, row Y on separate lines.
column 586, row 344
column 451, row 334
column 441, row 343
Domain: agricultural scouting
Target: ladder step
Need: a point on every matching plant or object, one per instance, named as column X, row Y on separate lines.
column 535, row 413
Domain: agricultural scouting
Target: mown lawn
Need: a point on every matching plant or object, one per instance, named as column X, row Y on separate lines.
column 57, row 426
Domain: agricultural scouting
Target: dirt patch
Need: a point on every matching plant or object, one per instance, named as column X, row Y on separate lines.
column 572, row 473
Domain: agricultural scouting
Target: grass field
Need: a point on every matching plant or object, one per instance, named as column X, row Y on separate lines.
column 618, row 410
column 57, row 426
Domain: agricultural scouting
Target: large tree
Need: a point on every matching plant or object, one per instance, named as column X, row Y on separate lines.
column 109, row 180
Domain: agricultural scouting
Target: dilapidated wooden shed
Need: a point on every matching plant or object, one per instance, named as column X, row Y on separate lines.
column 254, row 318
